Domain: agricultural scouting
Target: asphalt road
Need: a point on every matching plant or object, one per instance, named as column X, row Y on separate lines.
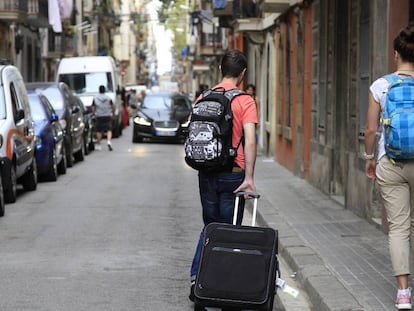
column 117, row 232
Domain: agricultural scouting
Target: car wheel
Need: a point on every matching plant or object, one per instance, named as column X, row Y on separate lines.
column 53, row 170
column 121, row 127
column 91, row 145
column 62, row 164
column 115, row 132
column 69, row 155
column 10, row 191
column 2, row 207
column 137, row 139
column 30, row 178
column 80, row 155
column 86, row 144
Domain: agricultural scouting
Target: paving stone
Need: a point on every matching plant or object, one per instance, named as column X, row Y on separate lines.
column 341, row 260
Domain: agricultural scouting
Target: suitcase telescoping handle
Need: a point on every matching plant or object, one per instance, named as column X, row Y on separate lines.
column 255, row 196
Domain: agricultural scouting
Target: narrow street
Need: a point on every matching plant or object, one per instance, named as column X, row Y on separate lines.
column 117, row 232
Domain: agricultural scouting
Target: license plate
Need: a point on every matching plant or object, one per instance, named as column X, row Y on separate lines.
column 165, row 133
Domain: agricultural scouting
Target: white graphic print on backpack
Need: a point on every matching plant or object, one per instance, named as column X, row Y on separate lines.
column 398, row 118
column 208, row 146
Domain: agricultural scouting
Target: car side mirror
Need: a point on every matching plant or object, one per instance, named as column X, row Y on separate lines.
column 54, row 117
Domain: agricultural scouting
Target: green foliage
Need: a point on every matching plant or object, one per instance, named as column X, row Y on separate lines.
column 174, row 16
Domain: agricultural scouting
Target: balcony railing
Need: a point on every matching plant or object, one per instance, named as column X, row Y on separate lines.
column 59, row 45
column 37, row 14
column 238, row 9
column 13, row 10
column 276, row 6
column 211, row 44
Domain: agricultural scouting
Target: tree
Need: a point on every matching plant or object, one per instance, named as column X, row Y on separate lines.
column 174, row 16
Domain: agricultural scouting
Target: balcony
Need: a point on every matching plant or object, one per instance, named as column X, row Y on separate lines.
column 210, row 39
column 13, row 10
column 254, row 24
column 276, row 6
column 206, row 51
column 237, row 9
column 37, row 14
column 210, row 46
column 227, row 10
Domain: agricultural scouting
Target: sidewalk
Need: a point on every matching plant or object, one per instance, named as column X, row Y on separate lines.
column 342, row 261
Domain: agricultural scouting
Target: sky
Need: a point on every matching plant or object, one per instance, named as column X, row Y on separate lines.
column 163, row 40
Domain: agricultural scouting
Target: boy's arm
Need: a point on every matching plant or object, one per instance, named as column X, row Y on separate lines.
column 250, row 158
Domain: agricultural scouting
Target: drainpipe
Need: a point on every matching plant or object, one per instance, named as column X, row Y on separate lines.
column 13, row 43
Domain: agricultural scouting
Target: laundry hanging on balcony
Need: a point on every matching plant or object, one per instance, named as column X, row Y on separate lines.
column 65, row 8
column 59, row 10
column 219, row 4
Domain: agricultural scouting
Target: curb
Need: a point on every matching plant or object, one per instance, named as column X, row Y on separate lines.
column 325, row 291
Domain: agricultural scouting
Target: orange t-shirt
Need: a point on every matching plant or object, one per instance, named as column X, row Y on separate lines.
column 244, row 111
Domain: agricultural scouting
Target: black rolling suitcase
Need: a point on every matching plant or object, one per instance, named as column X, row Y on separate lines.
column 238, row 265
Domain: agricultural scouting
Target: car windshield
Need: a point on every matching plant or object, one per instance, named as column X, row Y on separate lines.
column 55, row 98
column 157, row 102
column 36, row 108
column 84, row 83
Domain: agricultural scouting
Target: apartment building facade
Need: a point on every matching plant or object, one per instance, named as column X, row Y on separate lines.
column 312, row 63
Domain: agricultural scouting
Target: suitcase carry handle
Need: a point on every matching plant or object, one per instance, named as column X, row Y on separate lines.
column 255, row 196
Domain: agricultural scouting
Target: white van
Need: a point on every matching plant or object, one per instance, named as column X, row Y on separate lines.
column 17, row 136
column 85, row 74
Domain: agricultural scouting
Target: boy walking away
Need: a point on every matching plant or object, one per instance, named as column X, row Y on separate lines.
column 218, row 187
column 391, row 98
column 104, row 109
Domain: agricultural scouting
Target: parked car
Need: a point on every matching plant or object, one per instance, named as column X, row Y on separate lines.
column 17, row 138
column 162, row 116
column 70, row 115
column 85, row 74
column 50, row 147
column 89, row 130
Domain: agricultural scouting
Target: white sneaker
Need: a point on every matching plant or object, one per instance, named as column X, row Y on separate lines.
column 110, row 146
column 403, row 301
column 98, row 147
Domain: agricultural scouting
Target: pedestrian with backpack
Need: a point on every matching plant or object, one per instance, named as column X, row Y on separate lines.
column 392, row 101
column 221, row 145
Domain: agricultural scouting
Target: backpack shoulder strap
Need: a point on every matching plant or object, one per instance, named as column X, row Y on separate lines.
column 230, row 94
column 391, row 78
column 209, row 91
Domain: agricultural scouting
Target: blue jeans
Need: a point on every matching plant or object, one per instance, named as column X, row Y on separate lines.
column 217, row 200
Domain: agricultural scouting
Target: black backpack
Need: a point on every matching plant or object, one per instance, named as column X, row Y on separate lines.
column 208, row 146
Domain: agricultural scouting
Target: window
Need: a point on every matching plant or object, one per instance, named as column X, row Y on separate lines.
column 288, row 76
column 364, row 63
column 14, row 101
column 323, row 62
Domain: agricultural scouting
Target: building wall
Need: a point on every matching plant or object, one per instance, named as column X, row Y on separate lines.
column 268, row 89
column 287, row 89
column 328, row 55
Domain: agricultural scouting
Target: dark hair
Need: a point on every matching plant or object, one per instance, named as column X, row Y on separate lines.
column 233, row 63
column 250, row 86
column 101, row 89
column 404, row 44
